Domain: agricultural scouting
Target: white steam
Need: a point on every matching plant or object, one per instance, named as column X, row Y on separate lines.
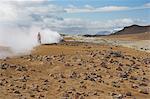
column 21, row 40
column 18, row 31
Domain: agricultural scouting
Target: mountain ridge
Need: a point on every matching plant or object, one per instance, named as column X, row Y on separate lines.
column 133, row 29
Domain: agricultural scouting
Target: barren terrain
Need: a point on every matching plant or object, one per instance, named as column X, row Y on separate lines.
column 74, row 70
column 136, row 41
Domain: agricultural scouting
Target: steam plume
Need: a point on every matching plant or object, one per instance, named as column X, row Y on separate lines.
column 18, row 31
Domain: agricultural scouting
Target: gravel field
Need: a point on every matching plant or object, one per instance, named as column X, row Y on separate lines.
column 142, row 45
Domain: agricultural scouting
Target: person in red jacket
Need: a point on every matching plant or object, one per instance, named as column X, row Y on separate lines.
column 39, row 38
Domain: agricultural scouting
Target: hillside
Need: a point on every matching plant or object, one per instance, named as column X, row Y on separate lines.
column 134, row 36
column 133, row 29
column 73, row 70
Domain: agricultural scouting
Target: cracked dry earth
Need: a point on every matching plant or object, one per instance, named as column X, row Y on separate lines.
column 73, row 70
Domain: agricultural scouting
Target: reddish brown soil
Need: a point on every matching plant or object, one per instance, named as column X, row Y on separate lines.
column 72, row 70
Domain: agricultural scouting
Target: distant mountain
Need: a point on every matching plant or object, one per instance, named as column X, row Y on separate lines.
column 133, row 29
column 103, row 33
column 98, row 34
column 91, row 35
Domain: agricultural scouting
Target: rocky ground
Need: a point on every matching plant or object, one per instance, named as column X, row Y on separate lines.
column 136, row 42
column 73, row 70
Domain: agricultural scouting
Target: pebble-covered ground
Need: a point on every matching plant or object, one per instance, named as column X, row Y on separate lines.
column 73, row 70
column 142, row 44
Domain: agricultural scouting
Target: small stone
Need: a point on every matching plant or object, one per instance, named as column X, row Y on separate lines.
column 24, row 86
column 120, row 64
column 4, row 66
column 95, row 93
column 35, row 88
column 81, row 82
column 128, row 94
column 114, row 84
column 119, row 69
column 67, row 64
column 143, row 91
column 61, row 76
column 46, row 80
column 80, row 64
column 77, row 95
column 143, row 84
column 134, row 86
column 23, row 79
column 119, row 96
column 73, row 75
column 123, row 75
column 133, row 78
column 65, row 95
column 41, row 96
column 32, row 95
column 112, row 94
column 115, row 54
column 62, row 81
column 1, row 83
column 103, row 64
column 21, row 68
column 16, row 92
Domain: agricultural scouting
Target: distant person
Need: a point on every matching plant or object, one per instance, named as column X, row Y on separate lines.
column 39, row 38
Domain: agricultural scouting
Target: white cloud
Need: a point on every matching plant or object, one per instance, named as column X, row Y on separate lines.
column 76, row 25
column 25, row 13
column 46, row 9
column 89, row 8
column 111, row 8
column 147, row 5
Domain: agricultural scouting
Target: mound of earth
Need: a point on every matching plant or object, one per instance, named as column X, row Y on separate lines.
column 134, row 29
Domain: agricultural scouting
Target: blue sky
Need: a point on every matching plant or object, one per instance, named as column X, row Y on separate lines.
column 137, row 10
column 140, row 13
column 99, row 3
column 76, row 16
